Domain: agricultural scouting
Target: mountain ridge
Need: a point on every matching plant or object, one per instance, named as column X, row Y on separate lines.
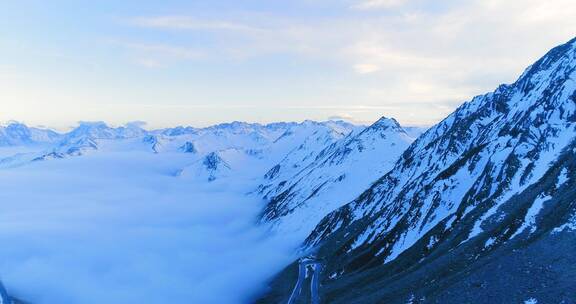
column 300, row 198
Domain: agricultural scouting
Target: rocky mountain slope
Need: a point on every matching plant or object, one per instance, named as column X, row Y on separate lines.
column 481, row 208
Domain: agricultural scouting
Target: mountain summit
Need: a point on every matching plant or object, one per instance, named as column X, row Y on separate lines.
column 333, row 176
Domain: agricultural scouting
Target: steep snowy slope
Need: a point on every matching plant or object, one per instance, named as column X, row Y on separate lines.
column 331, row 177
column 300, row 144
column 481, row 206
column 260, row 149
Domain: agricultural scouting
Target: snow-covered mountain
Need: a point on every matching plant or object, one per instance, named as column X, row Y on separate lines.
column 17, row 134
column 480, row 207
column 237, row 144
column 306, row 186
column 89, row 137
column 210, row 167
column 303, row 143
column 100, row 130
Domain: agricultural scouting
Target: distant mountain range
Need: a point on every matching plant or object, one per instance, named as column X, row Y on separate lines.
column 16, row 134
column 212, row 150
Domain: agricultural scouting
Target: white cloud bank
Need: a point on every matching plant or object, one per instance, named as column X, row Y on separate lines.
column 120, row 228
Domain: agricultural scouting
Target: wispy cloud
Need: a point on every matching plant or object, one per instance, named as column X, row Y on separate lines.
column 408, row 54
column 190, row 23
column 366, row 68
column 155, row 55
column 317, row 52
column 413, row 39
column 378, row 4
column 449, row 53
column 170, row 50
column 149, row 63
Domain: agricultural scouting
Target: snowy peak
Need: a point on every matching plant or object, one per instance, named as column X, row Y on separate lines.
column 16, row 134
column 508, row 131
column 178, row 131
column 385, row 133
column 301, row 190
column 92, row 130
column 559, row 60
column 100, row 130
column 306, row 142
column 88, row 136
column 384, row 123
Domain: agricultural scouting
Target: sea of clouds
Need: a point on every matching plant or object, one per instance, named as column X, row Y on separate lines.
column 122, row 227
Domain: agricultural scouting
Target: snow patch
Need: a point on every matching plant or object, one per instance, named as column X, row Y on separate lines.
column 562, row 178
column 570, row 225
column 530, row 218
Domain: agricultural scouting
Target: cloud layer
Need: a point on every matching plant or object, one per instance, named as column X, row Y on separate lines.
column 120, row 228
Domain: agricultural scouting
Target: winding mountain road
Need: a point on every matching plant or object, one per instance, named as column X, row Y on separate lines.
column 308, row 268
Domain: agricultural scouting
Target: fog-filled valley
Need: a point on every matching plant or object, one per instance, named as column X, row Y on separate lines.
column 121, row 227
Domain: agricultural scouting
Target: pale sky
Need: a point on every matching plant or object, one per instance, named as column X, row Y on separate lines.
column 176, row 62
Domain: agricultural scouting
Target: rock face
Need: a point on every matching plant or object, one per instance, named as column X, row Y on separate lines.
column 214, row 165
column 480, row 208
column 332, row 177
column 188, row 147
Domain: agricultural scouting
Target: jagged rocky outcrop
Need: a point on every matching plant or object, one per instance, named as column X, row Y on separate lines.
column 153, row 141
column 480, row 208
column 331, row 177
column 188, row 147
column 213, row 163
